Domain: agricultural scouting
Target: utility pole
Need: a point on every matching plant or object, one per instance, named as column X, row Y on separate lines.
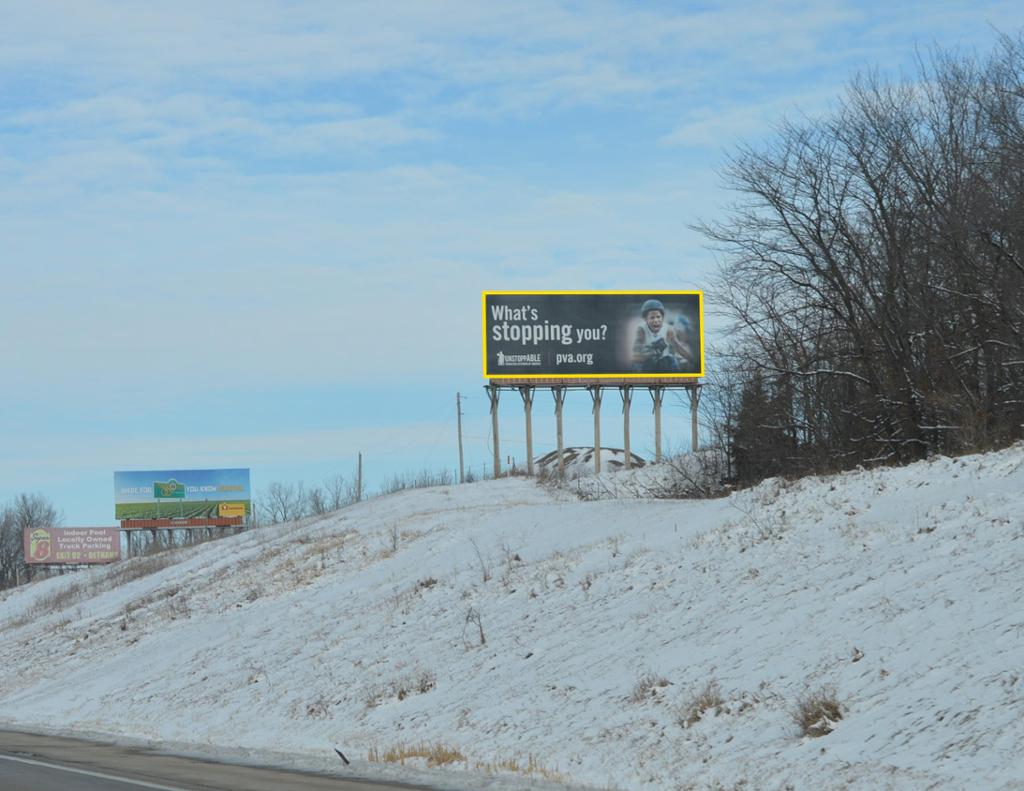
column 359, row 479
column 458, row 412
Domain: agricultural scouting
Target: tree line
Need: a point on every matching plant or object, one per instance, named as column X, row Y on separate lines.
column 285, row 501
column 872, row 270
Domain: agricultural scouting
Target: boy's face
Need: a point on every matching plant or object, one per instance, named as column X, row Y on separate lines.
column 655, row 318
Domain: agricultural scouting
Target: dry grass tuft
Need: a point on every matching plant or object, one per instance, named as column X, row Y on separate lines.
column 817, row 713
column 414, row 684
column 437, row 754
column 532, row 767
column 700, row 703
column 440, row 754
column 646, row 687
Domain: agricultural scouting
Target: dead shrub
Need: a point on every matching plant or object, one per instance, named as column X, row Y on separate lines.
column 646, row 687
column 425, row 682
column 373, row 696
column 485, row 566
column 318, row 708
column 400, row 689
column 817, row 712
column 700, row 703
column 177, row 607
column 473, row 618
column 393, row 538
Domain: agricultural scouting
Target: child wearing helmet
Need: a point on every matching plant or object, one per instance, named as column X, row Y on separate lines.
column 657, row 347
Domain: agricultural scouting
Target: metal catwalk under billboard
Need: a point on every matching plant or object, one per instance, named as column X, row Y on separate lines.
column 593, row 334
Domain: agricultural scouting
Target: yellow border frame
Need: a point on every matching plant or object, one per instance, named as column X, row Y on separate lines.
column 700, row 304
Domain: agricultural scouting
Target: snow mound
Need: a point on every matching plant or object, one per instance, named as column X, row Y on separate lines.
column 579, row 462
column 621, row 643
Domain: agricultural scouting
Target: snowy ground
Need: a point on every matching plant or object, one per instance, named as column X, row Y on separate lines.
column 899, row 589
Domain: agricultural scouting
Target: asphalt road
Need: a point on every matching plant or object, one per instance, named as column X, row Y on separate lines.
column 49, row 763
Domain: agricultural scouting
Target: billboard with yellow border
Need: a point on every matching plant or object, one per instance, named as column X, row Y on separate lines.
column 593, row 334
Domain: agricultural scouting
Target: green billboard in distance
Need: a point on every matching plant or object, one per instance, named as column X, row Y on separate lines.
column 192, row 494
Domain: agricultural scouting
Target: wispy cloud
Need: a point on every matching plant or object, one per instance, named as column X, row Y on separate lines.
column 724, row 124
column 532, row 48
column 184, row 123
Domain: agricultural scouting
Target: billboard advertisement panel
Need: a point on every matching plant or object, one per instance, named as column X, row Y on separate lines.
column 593, row 334
column 152, row 494
column 57, row 545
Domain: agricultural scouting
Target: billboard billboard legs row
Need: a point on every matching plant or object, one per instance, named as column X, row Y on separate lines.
column 559, row 388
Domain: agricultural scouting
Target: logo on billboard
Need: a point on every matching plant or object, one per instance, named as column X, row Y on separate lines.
column 39, row 547
column 169, row 489
column 231, row 509
column 518, row 359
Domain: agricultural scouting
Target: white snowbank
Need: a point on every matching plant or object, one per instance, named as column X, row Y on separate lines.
column 899, row 588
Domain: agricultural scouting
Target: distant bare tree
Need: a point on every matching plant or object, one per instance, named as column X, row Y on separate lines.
column 339, row 492
column 25, row 511
column 316, row 501
column 284, row 502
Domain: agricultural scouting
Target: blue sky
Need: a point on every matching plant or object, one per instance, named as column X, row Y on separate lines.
column 255, row 234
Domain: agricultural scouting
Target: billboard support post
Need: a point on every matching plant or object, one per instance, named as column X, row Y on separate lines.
column 657, row 395
column 694, row 401
column 595, row 395
column 493, row 393
column 559, row 396
column 627, row 396
column 560, row 387
column 526, row 391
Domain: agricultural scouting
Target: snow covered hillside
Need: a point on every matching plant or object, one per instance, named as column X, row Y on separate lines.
column 627, row 644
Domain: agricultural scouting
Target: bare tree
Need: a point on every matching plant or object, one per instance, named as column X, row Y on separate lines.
column 24, row 512
column 873, row 272
column 284, row 502
column 317, row 501
column 339, row 491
